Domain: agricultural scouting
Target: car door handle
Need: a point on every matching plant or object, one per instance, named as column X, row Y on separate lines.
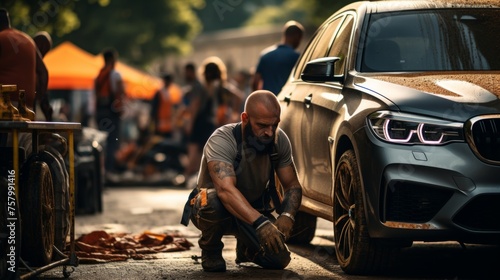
column 288, row 98
column 308, row 100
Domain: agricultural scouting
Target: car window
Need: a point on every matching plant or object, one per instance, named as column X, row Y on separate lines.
column 321, row 48
column 318, row 45
column 340, row 46
column 438, row 40
column 308, row 51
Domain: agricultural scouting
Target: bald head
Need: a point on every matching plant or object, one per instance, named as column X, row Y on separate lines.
column 262, row 102
column 260, row 120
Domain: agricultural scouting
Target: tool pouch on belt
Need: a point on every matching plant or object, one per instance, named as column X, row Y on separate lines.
column 208, row 210
column 204, row 209
column 188, row 207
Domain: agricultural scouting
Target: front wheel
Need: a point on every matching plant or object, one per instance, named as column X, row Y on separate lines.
column 357, row 253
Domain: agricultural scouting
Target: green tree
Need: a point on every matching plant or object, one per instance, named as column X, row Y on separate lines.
column 310, row 13
column 223, row 14
column 143, row 31
column 139, row 31
column 56, row 17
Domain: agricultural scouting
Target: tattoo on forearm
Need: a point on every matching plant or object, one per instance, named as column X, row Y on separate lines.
column 223, row 170
column 292, row 200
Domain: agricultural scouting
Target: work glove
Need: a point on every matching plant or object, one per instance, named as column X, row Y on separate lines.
column 285, row 225
column 270, row 238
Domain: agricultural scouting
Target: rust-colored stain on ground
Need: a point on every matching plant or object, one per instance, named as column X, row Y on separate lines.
column 100, row 246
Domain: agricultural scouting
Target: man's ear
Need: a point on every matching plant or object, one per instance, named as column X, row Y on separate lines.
column 244, row 117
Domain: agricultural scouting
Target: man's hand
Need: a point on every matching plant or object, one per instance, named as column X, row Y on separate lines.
column 285, row 225
column 270, row 238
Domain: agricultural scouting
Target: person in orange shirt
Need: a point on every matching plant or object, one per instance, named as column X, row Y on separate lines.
column 109, row 95
column 164, row 125
column 163, row 107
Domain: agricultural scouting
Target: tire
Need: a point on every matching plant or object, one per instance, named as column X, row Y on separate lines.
column 60, row 180
column 37, row 212
column 304, row 229
column 9, row 236
column 357, row 253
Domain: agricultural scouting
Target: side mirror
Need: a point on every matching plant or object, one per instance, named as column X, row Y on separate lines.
column 321, row 70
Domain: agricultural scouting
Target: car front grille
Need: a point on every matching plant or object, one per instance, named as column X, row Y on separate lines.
column 481, row 214
column 483, row 135
column 413, row 202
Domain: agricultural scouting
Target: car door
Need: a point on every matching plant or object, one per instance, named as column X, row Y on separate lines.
column 321, row 110
column 292, row 98
column 291, row 121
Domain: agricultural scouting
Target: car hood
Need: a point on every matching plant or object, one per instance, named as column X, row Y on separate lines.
column 459, row 96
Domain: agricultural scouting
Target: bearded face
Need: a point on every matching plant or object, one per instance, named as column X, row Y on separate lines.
column 260, row 143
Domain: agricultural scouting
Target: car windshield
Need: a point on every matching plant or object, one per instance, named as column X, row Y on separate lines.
column 437, row 40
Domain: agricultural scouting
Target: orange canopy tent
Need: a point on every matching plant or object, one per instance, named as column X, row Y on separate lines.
column 73, row 68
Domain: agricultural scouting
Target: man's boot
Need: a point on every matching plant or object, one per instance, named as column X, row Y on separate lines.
column 211, row 249
column 212, row 261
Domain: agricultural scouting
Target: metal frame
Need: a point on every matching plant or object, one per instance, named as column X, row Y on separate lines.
column 35, row 127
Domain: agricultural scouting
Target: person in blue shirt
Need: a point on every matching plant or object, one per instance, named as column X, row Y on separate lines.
column 276, row 62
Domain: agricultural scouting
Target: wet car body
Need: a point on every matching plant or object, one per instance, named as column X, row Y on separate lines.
column 393, row 112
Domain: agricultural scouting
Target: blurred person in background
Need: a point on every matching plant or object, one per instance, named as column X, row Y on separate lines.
column 191, row 90
column 159, row 137
column 109, row 94
column 276, row 62
column 43, row 42
column 192, row 86
column 219, row 104
column 164, row 106
column 242, row 80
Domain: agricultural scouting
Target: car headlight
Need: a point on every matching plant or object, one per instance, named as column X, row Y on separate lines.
column 402, row 128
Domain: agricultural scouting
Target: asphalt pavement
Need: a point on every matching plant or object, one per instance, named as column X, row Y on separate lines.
column 158, row 209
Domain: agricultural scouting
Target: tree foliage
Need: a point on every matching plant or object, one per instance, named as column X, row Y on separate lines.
column 56, row 17
column 223, row 14
column 140, row 31
column 310, row 13
column 144, row 30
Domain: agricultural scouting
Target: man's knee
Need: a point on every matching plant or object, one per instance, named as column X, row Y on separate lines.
column 208, row 211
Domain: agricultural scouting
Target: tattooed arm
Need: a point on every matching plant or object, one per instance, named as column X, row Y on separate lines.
column 224, row 179
column 292, row 189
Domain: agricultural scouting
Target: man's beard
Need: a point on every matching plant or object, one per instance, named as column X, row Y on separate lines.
column 261, row 145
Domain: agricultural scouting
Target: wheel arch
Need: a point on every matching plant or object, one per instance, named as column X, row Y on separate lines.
column 344, row 143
